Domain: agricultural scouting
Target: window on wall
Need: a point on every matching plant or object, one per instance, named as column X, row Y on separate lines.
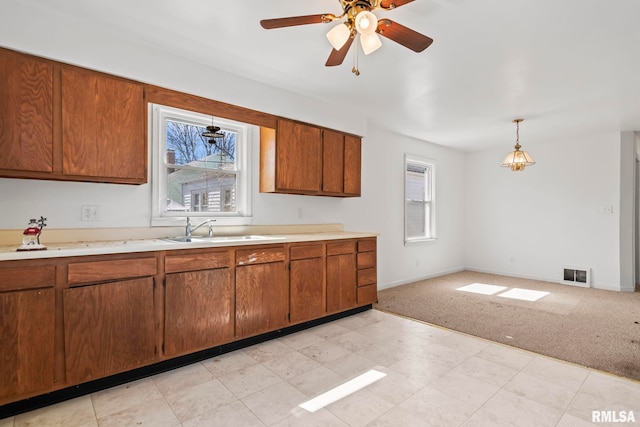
column 419, row 218
column 197, row 176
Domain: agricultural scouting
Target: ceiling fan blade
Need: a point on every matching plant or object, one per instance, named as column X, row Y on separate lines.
column 337, row 56
column 296, row 20
column 392, row 4
column 405, row 36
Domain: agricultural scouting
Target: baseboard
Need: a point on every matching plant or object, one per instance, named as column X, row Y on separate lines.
column 547, row 279
column 511, row 274
column 417, row 279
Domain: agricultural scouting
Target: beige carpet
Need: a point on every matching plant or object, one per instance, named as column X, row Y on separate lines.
column 591, row 327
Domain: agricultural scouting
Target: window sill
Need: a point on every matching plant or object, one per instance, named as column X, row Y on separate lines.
column 419, row 240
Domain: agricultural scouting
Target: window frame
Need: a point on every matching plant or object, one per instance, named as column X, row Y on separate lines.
column 429, row 199
column 158, row 116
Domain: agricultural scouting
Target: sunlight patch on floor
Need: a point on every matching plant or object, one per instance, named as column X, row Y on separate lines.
column 524, row 294
column 343, row 390
column 515, row 293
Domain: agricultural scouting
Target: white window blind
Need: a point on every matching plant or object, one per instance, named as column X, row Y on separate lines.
column 419, row 199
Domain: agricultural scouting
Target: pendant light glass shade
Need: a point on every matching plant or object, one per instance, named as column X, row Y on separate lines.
column 517, row 160
column 338, row 36
column 370, row 42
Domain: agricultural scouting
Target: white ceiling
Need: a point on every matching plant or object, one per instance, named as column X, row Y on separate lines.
column 568, row 67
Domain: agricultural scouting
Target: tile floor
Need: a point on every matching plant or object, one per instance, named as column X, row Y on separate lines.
column 434, row 377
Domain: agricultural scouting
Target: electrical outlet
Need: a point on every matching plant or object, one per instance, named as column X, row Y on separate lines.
column 300, row 213
column 90, row 213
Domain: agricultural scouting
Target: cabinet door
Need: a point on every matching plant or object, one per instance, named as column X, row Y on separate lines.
column 308, row 293
column 261, row 298
column 103, row 127
column 298, row 157
column 332, row 162
column 108, row 328
column 352, row 165
column 199, row 310
column 341, row 282
column 26, row 113
column 27, row 342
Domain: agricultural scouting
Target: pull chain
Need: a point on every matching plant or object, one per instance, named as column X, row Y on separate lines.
column 355, row 70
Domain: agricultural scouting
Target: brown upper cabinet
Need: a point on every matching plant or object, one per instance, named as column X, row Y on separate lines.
column 61, row 122
column 297, row 158
column 103, row 127
column 26, row 113
column 341, row 164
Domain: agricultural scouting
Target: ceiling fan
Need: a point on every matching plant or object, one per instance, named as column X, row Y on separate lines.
column 359, row 22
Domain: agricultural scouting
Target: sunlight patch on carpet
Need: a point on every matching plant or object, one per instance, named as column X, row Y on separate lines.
column 524, row 294
column 481, row 288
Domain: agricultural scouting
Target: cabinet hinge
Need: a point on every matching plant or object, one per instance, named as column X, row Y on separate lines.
column 155, row 349
column 162, row 348
column 289, row 317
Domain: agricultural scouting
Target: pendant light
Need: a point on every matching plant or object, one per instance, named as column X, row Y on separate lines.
column 517, row 160
column 213, row 133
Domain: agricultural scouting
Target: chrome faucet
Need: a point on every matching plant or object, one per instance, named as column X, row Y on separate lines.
column 188, row 229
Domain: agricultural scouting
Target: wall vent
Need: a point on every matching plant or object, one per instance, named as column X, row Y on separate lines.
column 576, row 276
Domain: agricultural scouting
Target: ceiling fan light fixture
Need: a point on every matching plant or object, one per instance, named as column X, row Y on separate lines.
column 517, row 159
column 366, row 22
column 339, row 35
column 370, row 43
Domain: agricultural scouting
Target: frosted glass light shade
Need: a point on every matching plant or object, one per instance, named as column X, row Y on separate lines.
column 517, row 160
column 366, row 22
column 338, row 36
column 370, row 43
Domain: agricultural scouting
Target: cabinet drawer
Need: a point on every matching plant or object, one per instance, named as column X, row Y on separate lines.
column 97, row 271
column 366, row 259
column 367, row 294
column 27, row 277
column 367, row 276
column 259, row 255
column 306, row 251
column 341, row 248
column 198, row 261
column 366, row 245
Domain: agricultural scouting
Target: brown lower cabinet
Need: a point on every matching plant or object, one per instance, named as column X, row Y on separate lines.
column 108, row 328
column 261, row 290
column 199, row 310
column 308, row 295
column 27, row 342
column 199, row 301
column 341, row 275
column 67, row 321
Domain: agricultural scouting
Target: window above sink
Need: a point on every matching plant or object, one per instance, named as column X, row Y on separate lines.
column 197, row 176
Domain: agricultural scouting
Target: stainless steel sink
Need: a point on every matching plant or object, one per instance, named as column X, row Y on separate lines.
column 241, row 238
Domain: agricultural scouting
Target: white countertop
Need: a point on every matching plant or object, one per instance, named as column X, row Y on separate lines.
column 56, row 250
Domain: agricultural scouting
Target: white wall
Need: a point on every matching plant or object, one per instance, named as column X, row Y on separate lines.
column 532, row 223
column 488, row 218
column 380, row 209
